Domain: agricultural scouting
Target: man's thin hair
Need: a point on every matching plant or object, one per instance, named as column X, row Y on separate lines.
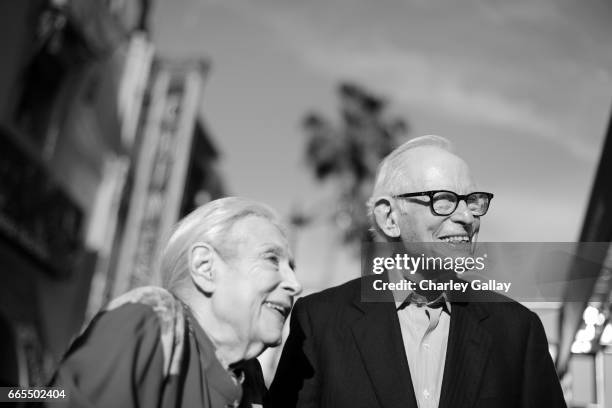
column 209, row 223
column 388, row 174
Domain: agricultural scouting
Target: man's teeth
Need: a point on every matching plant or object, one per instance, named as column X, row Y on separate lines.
column 282, row 310
column 456, row 238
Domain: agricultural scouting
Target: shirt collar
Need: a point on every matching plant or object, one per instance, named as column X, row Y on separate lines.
column 405, row 297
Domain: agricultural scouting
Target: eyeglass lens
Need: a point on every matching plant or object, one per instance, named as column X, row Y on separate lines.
column 445, row 203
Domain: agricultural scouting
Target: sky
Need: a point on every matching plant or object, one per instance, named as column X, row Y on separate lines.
column 522, row 88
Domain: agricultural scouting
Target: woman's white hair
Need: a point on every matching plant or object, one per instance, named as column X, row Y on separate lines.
column 209, row 223
column 390, row 177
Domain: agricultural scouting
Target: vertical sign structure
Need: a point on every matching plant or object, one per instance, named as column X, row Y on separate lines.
column 133, row 84
column 161, row 170
column 105, row 216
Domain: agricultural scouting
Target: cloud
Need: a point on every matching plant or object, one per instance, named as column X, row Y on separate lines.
column 516, row 66
column 443, row 86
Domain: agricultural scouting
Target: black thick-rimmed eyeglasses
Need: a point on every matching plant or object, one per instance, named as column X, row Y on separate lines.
column 444, row 202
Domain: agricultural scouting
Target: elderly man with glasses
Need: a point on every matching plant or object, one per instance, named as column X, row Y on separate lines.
column 427, row 349
column 228, row 286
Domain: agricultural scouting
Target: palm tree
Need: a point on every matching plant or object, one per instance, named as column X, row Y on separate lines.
column 347, row 154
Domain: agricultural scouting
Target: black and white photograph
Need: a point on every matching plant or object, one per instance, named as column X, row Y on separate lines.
column 306, row 204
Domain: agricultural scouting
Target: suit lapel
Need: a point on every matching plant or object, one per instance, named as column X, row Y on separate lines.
column 379, row 340
column 468, row 351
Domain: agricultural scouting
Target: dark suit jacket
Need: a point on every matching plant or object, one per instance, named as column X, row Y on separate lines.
column 342, row 352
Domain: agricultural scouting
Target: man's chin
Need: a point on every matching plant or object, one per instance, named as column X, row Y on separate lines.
column 270, row 343
column 439, row 248
column 452, row 249
column 272, row 339
column 264, row 343
column 275, row 343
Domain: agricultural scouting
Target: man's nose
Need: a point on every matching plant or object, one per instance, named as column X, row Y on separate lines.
column 290, row 282
column 463, row 214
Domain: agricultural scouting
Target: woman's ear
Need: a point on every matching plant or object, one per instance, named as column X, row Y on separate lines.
column 386, row 218
column 202, row 258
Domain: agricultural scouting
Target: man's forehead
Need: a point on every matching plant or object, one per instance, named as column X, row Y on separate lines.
column 430, row 168
column 256, row 231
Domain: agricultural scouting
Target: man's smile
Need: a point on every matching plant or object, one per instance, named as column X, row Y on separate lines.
column 282, row 308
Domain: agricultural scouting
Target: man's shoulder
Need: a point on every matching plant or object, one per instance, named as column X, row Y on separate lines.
column 341, row 294
column 161, row 309
column 151, row 301
column 119, row 323
column 502, row 308
column 136, row 308
column 152, row 296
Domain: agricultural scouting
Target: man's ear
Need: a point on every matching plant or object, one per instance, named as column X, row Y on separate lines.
column 202, row 258
column 385, row 217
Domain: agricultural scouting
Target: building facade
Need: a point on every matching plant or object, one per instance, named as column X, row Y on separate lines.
column 97, row 136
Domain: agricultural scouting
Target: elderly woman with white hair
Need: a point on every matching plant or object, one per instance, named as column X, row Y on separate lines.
column 228, row 287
